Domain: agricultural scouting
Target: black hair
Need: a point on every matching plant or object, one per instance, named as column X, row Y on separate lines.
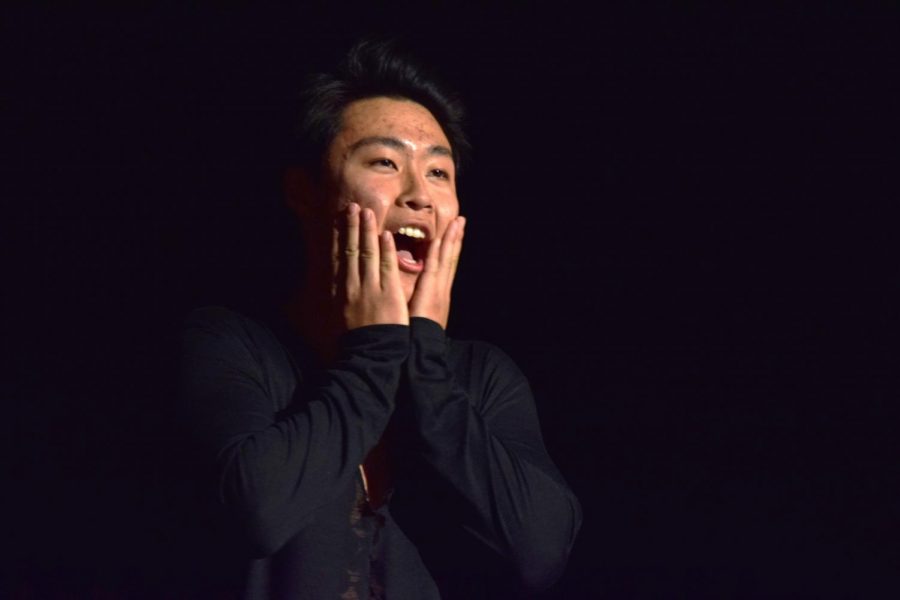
column 370, row 69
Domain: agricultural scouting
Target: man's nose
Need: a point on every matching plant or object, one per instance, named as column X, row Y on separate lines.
column 415, row 193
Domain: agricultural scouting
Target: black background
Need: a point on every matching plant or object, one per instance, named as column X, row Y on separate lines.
column 680, row 227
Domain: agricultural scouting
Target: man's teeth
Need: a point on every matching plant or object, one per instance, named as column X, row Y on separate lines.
column 413, row 232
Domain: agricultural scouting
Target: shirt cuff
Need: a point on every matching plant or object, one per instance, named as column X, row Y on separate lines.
column 389, row 339
column 426, row 329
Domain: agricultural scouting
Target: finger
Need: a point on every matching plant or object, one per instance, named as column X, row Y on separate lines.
column 447, row 246
column 457, row 248
column 390, row 273
column 350, row 260
column 432, row 257
column 338, row 266
column 430, row 272
column 368, row 250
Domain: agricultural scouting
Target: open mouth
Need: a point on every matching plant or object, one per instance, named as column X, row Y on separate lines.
column 412, row 247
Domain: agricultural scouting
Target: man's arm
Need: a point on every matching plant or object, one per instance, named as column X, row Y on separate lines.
column 278, row 458
column 482, row 439
column 274, row 469
column 485, row 443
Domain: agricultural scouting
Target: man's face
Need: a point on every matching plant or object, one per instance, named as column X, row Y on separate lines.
column 392, row 156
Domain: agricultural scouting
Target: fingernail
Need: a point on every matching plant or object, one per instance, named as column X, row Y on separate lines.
column 353, row 208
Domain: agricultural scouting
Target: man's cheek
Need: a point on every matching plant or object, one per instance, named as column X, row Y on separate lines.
column 371, row 198
column 447, row 213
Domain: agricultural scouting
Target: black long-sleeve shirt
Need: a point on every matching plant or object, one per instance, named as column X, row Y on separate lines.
column 477, row 508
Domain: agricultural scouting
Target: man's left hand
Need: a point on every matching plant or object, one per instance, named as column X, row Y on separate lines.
column 431, row 298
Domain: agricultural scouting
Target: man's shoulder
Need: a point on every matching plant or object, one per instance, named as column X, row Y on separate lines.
column 482, row 361
column 221, row 319
column 211, row 315
column 227, row 323
column 477, row 349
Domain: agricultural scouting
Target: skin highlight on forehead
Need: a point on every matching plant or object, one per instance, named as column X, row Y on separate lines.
column 403, row 120
column 396, row 144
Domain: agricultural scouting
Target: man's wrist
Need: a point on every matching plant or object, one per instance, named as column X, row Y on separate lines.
column 392, row 339
column 426, row 327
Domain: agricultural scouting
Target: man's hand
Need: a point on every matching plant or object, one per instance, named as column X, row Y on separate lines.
column 367, row 280
column 431, row 298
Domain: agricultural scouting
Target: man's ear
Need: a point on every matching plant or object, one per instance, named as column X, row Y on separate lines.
column 301, row 194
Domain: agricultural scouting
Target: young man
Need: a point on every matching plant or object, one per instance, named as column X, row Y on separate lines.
column 355, row 450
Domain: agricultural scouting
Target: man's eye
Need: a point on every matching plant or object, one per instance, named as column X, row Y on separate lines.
column 440, row 173
column 384, row 162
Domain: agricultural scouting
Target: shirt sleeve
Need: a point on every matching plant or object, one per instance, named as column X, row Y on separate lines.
column 482, row 439
column 273, row 467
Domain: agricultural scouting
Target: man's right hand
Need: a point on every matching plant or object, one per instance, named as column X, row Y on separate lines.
column 367, row 286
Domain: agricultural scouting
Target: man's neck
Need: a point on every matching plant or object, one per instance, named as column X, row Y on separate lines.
column 310, row 311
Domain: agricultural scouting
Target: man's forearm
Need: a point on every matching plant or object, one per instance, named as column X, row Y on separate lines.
column 485, row 445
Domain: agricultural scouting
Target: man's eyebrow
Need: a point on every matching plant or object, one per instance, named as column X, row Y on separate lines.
column 392, row 142
column 440, row 151
column 377, row 140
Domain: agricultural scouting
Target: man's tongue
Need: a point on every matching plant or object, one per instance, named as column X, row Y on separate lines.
column 406, row 256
